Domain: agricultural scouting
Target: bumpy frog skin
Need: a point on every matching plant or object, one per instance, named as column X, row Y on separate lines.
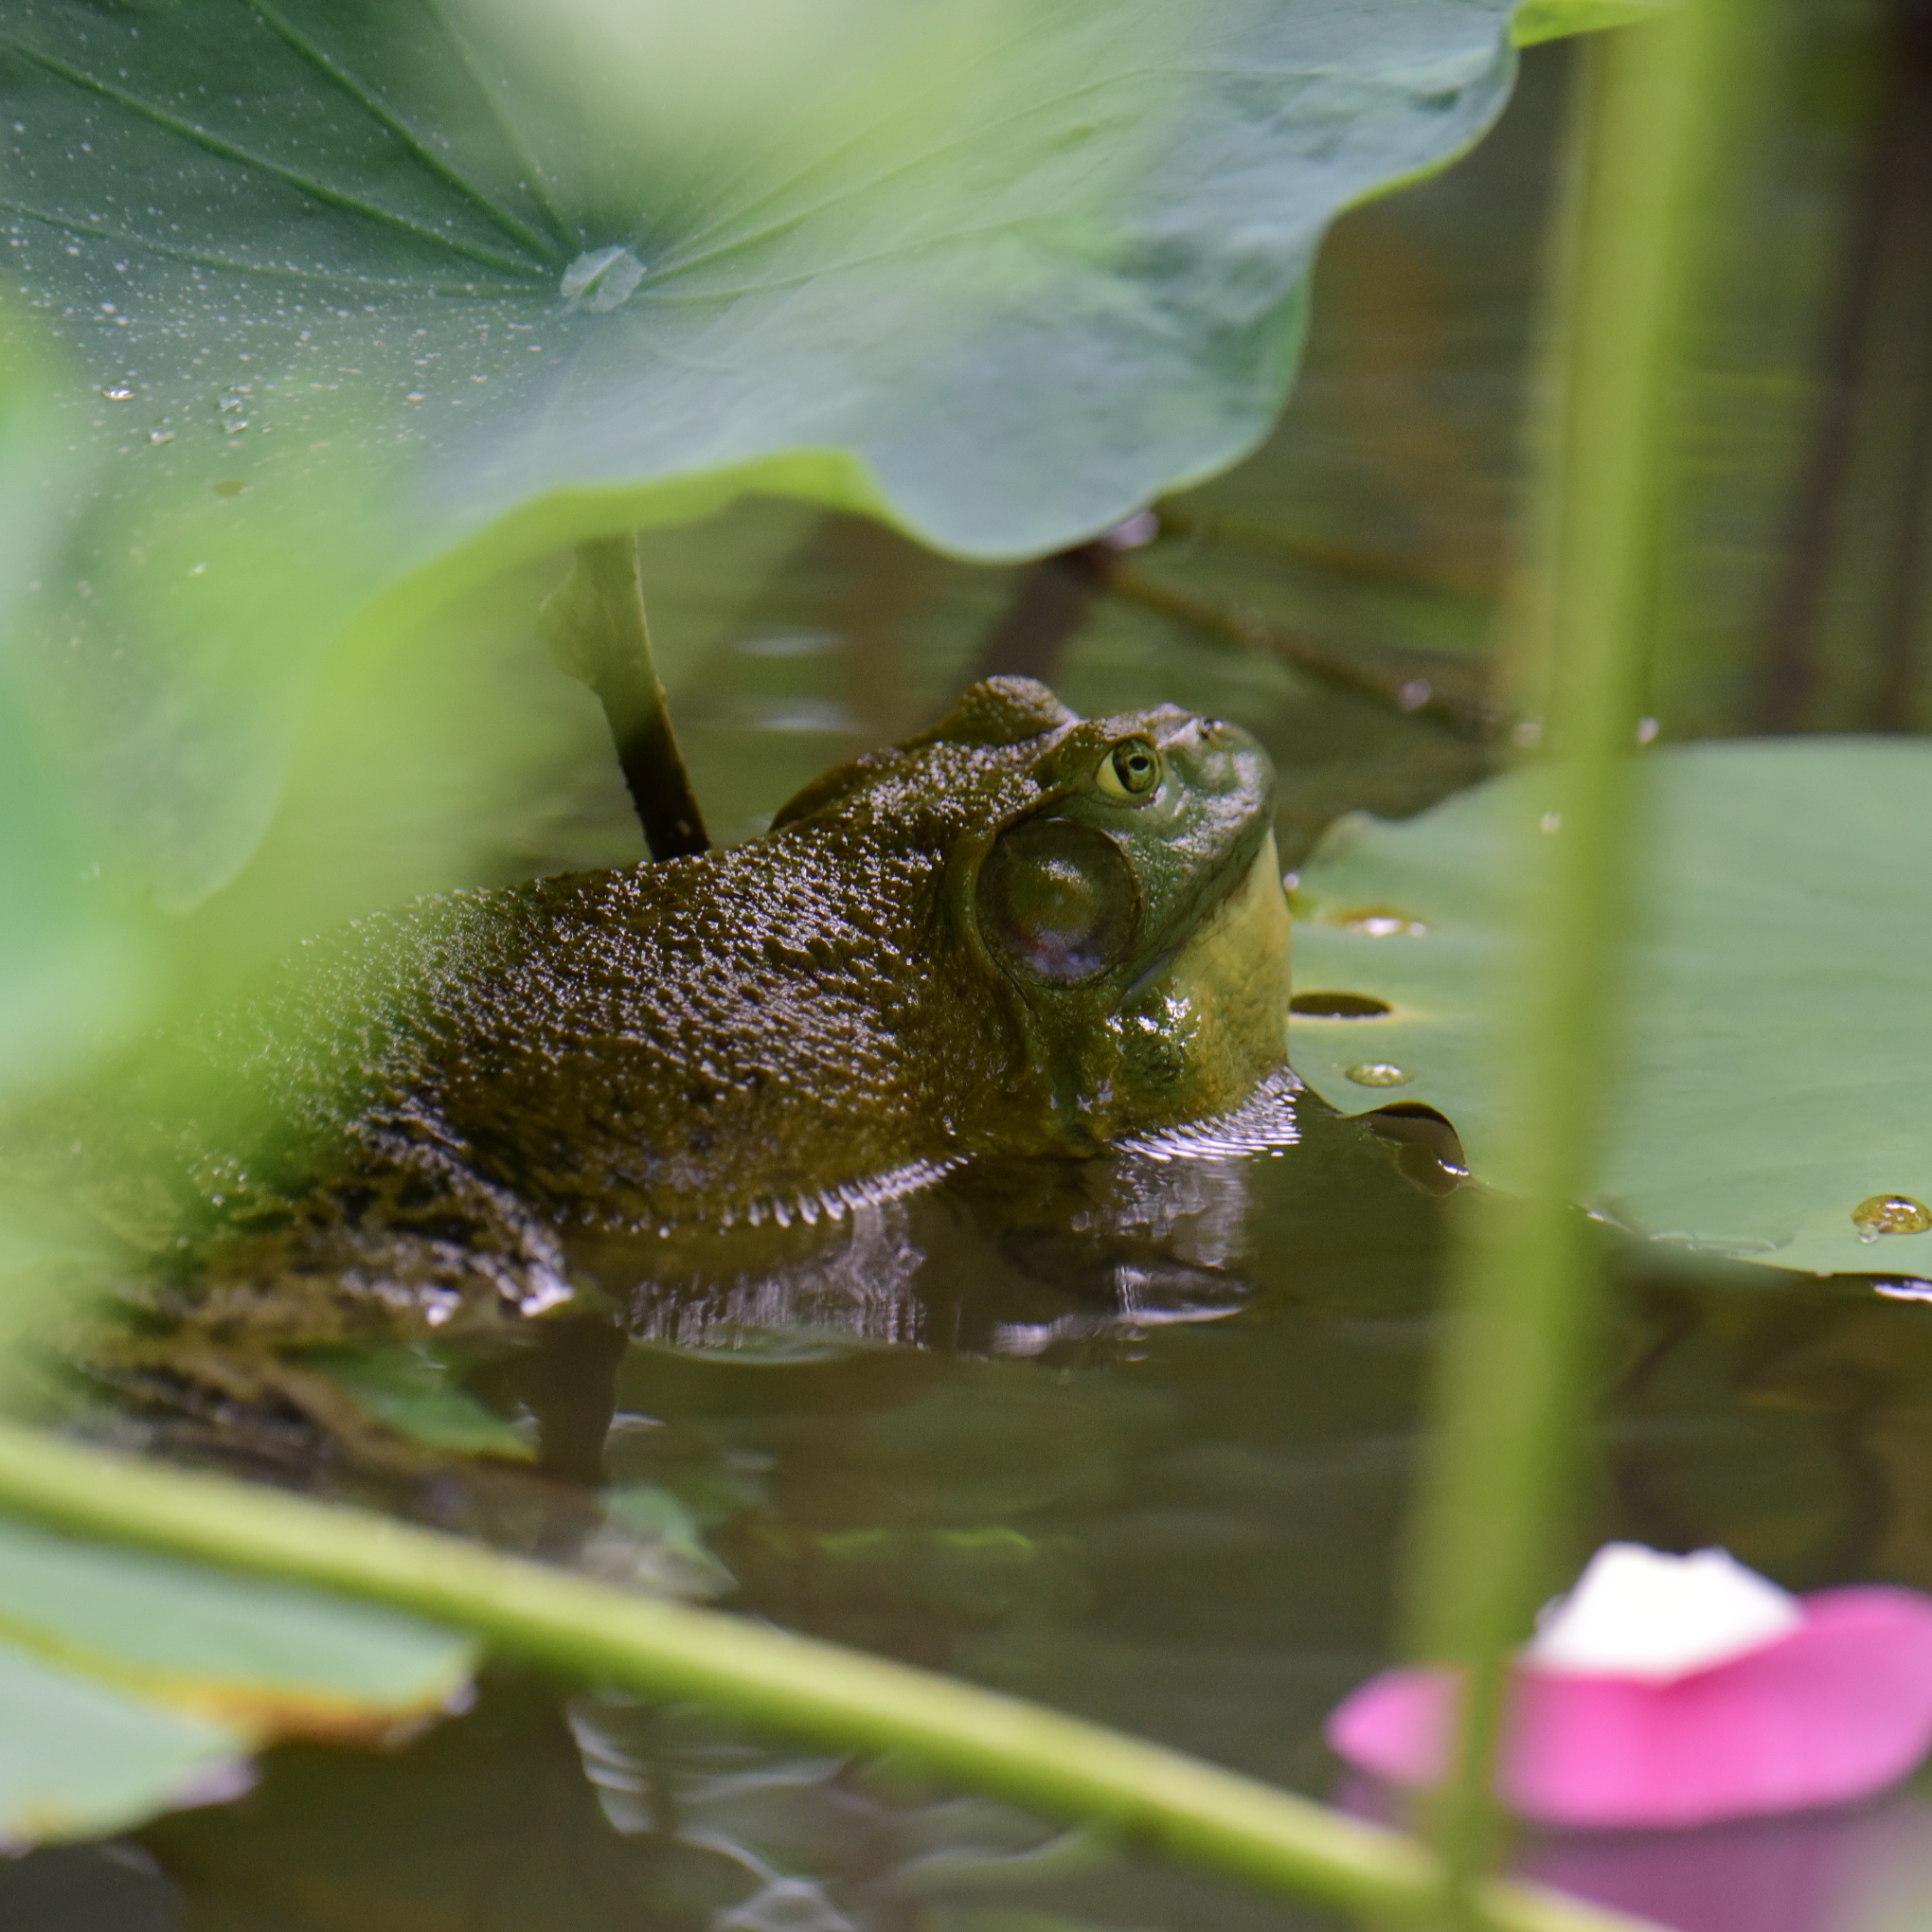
column 1023, row 933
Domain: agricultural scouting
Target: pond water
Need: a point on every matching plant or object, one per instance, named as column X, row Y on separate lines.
column 1134, row 1438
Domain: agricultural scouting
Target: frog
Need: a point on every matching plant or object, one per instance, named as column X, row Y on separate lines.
column 1022, row 934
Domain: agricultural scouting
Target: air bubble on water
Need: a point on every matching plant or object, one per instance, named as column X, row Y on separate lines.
column 119, row 393
column 1378, row 1073
column 602, row 279
column 160, row 436
column 1891, row 1214
column 234, row 425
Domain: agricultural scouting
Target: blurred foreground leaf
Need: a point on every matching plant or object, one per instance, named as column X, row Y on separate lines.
column 368, row 303
column 131, row 1683
column 71, row 966
column 80, row 1761
column 1776, row 1073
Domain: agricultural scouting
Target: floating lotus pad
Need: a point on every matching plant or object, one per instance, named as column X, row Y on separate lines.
column 132, row 1683
column 1777, row 1056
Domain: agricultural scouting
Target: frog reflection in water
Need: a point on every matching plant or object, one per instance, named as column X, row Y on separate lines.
column 1024, row 933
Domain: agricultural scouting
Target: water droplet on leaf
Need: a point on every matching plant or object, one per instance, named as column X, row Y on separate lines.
column 1891, row 1214
column 1379, row 923
column 1378, row 1073
column 602, row 279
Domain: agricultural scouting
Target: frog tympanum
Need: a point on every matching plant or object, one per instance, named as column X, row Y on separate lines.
column 1023, row 933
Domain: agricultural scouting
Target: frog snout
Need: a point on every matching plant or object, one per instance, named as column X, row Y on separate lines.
column 1201, row 734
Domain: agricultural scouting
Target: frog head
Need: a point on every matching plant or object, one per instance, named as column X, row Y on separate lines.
column 1112, row 882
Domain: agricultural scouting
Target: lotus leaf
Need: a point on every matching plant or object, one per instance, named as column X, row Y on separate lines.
column 354, row 303
column 1778, row 981
column 132, row 1683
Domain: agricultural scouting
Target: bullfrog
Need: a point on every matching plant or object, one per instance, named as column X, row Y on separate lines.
column 1022, row 932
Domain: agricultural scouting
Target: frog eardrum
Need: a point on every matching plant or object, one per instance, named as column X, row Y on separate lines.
column 1057, row 899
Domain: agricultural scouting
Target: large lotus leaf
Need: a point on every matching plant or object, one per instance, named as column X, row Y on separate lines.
column 130, row 1684
column 78, row 1759
column 266, row 1659
column 69, row 965
column 1779, row 980
column 368, row 299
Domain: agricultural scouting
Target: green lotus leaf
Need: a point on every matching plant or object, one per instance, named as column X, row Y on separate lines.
column 70, row 963
column 262, row 1659
column 412, row 1392
column 1544, row 20
column 78, row 1759
column 359, row 302
column 131, row 1684
column 1778, row 982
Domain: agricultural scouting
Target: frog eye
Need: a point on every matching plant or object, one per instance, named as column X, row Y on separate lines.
column 1059, row 900
column 1130, row 770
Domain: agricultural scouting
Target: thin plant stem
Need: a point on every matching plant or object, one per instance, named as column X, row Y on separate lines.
column 594, row 624
column 1146, row 1796
column 1510, row 1398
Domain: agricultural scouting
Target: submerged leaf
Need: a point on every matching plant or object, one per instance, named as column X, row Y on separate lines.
column 411, row 1392
column 1775, row 1084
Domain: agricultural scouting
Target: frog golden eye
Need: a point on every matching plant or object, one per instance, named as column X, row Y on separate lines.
column 1130, row 770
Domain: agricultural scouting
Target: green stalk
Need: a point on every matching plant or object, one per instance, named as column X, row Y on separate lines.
column 1150, row 1797
column 1510, row 1394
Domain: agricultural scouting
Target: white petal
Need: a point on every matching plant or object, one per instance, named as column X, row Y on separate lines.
column 1643, row 1613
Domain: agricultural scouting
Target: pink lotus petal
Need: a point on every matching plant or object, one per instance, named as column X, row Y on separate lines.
column 1838, row 1708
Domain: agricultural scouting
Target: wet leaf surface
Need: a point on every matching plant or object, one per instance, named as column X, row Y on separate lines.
column 265, row 1658
column 338, row 293
column 78, row 1759
column 1771, row 1080
column 130, row 1684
